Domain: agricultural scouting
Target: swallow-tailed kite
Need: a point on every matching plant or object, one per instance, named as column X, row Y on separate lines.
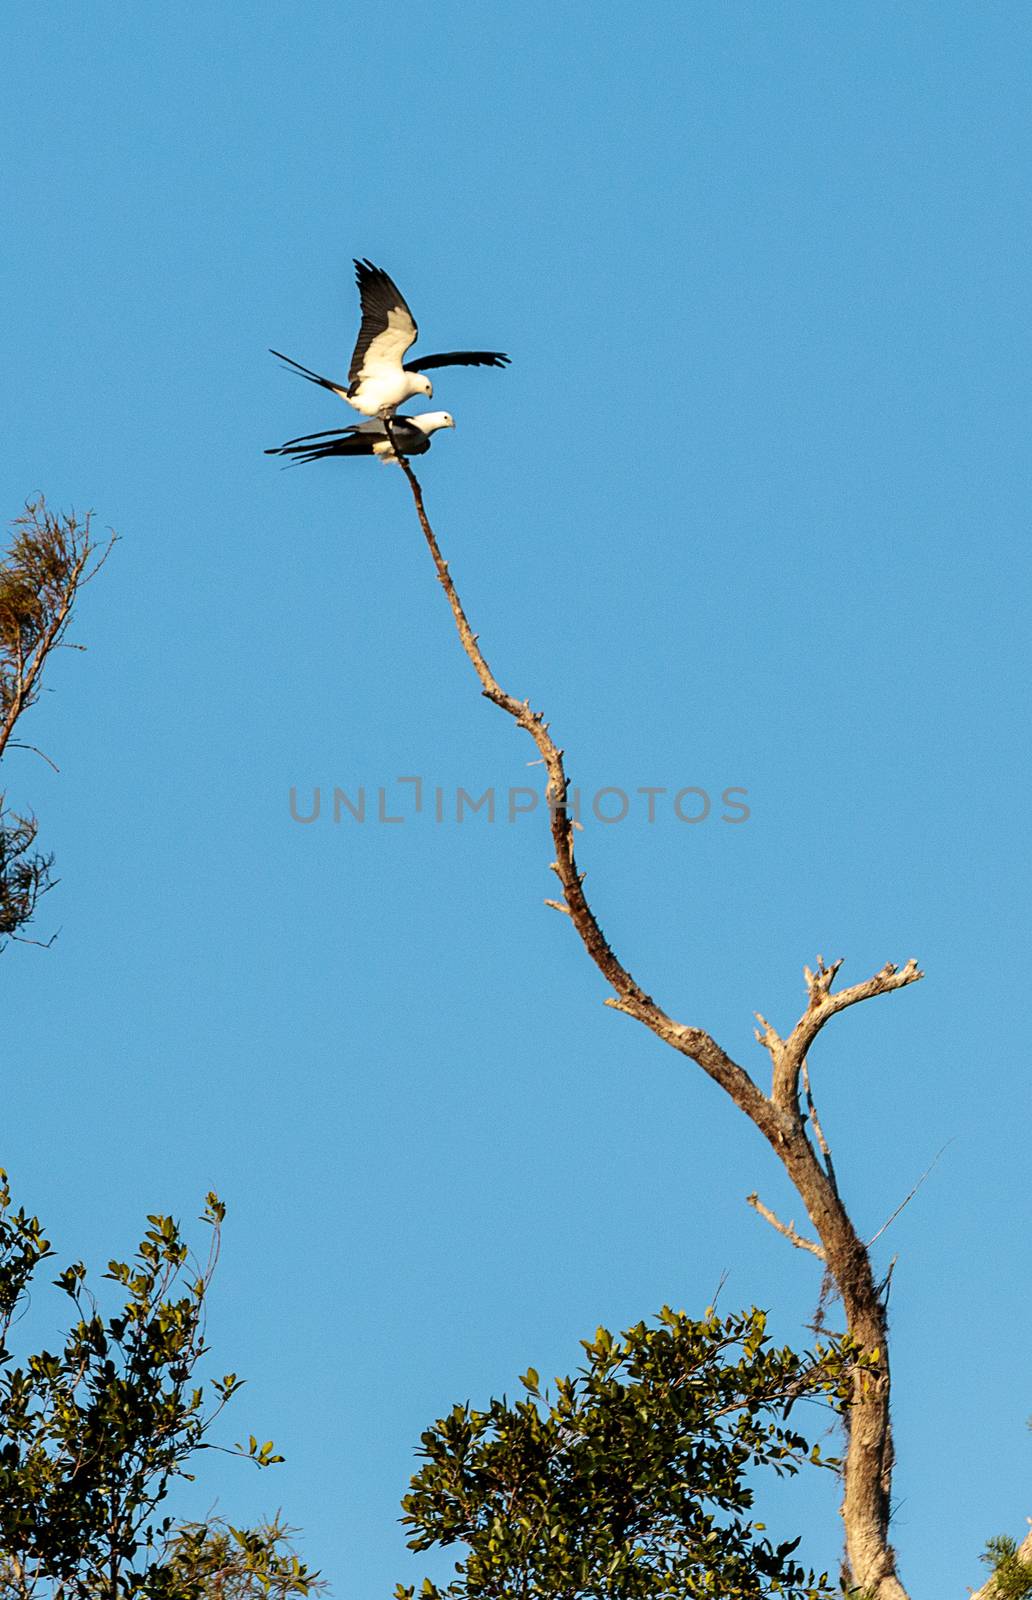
column 379, row 380
column 368, row 439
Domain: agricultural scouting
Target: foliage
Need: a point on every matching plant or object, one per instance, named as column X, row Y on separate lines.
column 93, row 1436
column 41, row 566
column 1012, row 1577
column 215, row 1559
column 24, row 872
column 630, row 1480
column 48, row 561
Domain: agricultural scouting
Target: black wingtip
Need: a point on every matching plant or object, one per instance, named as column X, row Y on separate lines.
column 369, row 276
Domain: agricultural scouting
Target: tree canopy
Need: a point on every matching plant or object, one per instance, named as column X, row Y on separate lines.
column 95, row 1432
column 632, row 1478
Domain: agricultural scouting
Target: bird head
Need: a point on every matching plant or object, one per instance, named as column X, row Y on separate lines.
column 429, row 421
column 422, row 385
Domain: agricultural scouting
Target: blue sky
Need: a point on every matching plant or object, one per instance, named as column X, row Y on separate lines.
column 749, row 508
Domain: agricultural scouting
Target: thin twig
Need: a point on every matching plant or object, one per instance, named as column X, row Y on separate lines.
column 886, row 1284
column 40, row 944
column 725, row 1274
column 19, row 744
column 903, row 1203
column 788, row 1229
column 829, row 1165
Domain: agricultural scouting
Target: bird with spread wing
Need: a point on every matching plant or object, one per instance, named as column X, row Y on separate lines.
column 379, row 379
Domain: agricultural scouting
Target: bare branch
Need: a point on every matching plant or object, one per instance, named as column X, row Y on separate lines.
column 788, row 1229
column 824, row 1004
column 692, row 1042
column 40, row 944
column 19, row 744
column 868, row 1473
column 767, row 1036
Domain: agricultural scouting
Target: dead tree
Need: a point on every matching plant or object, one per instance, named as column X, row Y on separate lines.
column 785, row 1114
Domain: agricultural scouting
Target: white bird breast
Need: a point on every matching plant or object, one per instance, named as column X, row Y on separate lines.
column 379, row 389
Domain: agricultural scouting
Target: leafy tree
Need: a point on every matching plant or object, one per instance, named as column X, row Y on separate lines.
column 1011, row 1575
column 215, row 1559
column 94, row 1435
column 630, row 1481
column 49, row 560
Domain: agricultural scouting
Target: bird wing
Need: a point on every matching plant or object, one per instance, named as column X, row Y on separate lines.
column 343, row 445
column 459, row 358
column 314, row 446
column 409, row 435
column 306, row 372
column 388, row 326
column 356, row 441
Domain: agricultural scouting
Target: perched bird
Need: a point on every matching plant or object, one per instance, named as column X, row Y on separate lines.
column 368, row 439
column 379, row 380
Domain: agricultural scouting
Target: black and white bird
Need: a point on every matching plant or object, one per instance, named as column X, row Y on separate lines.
column 379, row 380
column 368, row 439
